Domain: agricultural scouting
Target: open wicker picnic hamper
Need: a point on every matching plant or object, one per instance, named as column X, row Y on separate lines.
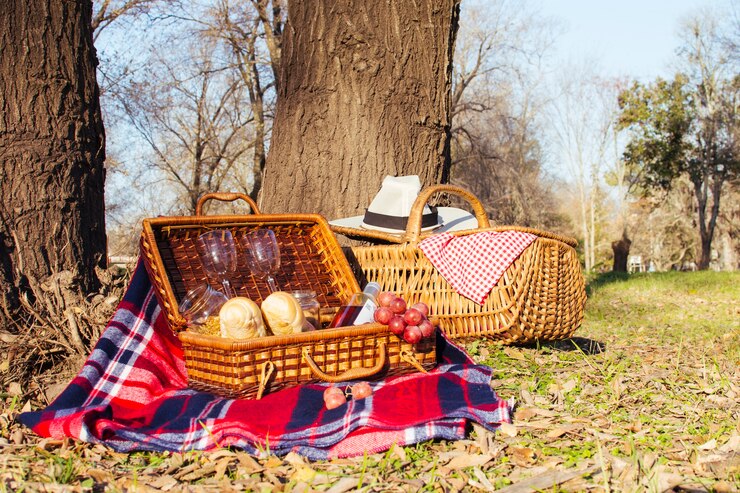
column 311, row 259
column 541, row 296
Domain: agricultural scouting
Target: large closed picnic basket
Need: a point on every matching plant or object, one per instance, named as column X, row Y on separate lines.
column 311, row 259
column 540, row 296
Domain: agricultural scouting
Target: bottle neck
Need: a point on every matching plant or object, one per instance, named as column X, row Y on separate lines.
column 372, row 289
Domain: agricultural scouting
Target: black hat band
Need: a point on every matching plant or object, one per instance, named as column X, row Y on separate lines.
column 399, row 222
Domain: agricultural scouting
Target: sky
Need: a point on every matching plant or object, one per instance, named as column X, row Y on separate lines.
column 634, row 38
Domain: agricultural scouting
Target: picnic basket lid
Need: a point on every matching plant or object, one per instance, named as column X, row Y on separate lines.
column 311, row 258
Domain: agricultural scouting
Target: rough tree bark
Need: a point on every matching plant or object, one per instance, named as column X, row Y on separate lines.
column 364, row 92
column 51, row 148
column 621, row 249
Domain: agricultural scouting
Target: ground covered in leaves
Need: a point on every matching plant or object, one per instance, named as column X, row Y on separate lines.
column 645, row 398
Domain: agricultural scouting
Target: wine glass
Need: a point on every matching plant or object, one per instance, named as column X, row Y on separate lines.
column 218, row 255
column 263, row 255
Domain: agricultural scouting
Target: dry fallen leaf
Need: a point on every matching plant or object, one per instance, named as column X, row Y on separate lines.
column 468, row 460
column 294, row 459
column 221, row 466
column 400, row 453
column 523, row 456
column 344, row 484
column 667, row 480
column 732, row 445
column 99, row 475
column 525, row 413
column 710, row 445
column 514, row 353
column 508, row 429
column 164, row 482
column 723, row 487
column 273, row 462
column 540, row 424
column 15, row 388
column 719, row 465
column 17, row 436
column 569, row 385
column 481, row 477
column 303, row 474
column 248, row 462
column 527, row 397
column 220, row 453
column 561, row 430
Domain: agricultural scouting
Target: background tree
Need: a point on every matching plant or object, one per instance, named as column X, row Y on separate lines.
column 666, row 237
column 497, row 106
column 51, row 150
column 688, row 127
column 106, row 12
column 195, row 118
column 583, row 123
column 190, row 109
column 241, row 26
column 364, row 91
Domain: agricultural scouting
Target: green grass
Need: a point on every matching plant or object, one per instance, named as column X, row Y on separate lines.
column 671, row 308
column 643, row 398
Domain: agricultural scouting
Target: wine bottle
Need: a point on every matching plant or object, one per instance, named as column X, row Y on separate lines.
column 360, row 309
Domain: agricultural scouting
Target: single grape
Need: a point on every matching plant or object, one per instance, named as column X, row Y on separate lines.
column 385, row 298
column 426, row 327
column 397, row 325
column 413, row 316
column 412, row 334
column 422, row 307
column 383, row 315
column 398, row 305
column 360, row 390
column 334, row 400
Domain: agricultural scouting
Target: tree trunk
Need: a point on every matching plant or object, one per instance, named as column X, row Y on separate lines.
column 621, row 249
column 51, row 148
column 364, row 92
column 707, row 225
column 592, row 227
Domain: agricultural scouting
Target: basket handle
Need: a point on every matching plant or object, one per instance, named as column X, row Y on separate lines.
column 225, row 197
column 413, row 227
column 357, row 373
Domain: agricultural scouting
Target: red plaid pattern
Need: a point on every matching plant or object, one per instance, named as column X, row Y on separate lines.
column 132, row 394
column 473, row 264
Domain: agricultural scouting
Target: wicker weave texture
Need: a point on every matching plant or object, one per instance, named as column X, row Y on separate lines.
column 539, row 297
column 239, row 371
column 311, row 259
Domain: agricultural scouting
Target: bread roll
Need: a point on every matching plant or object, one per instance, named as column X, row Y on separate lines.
column 283, row 313
column 241, row 318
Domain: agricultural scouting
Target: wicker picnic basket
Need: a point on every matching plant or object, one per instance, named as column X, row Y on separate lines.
column 541, row 296
column 311, row 259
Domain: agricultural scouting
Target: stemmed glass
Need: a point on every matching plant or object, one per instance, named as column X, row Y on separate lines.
column 218, row 255
column 263, row 255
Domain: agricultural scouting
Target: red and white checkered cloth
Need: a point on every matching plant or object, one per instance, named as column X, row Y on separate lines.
column 473, row 264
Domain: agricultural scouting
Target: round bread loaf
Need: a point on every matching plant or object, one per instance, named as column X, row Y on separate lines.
column 241, row 318
column 283, row 313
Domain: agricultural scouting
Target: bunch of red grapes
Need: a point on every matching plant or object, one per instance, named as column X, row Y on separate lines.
column 411, row 323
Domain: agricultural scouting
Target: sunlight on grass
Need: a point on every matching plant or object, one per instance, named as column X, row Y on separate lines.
column 647, row 389
column 671, row 308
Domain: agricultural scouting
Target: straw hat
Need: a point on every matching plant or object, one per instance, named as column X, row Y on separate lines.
column 389, row 210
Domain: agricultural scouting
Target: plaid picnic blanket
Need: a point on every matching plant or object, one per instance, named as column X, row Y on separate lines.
column 132, row 394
